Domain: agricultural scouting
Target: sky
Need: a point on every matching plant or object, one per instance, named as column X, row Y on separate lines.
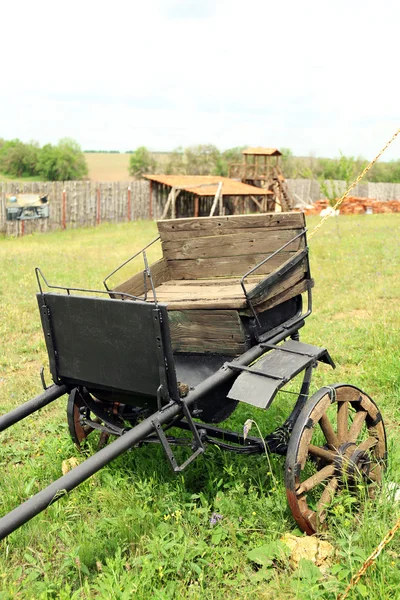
column 316, row 76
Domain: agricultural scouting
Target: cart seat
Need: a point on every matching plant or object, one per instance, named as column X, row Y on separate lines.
column 204, row 260
column 190, row 294
column 199, row 278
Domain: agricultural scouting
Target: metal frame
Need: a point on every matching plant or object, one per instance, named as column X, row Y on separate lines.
column 39, row 275
column 146, row 271
column 276, row 275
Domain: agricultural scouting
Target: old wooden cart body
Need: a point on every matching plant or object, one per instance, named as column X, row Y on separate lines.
column 214, row 322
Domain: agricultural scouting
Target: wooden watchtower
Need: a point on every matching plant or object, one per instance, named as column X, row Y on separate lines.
column 261, row 168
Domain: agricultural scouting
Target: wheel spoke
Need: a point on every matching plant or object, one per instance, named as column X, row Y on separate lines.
column 342, row 421
column 327, row 455
column 376, row 473
column 315, row 479
column 356, row 426
column 327, row 497
column 371, row 442
column 328, row 432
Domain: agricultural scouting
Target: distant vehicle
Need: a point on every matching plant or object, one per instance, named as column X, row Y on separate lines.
column 21, row 207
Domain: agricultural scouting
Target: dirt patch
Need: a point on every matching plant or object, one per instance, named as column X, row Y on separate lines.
column 108, row 166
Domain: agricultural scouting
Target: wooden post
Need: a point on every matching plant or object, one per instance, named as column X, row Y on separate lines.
column 22, row 228
column 64, row 210
column 151, row 201
column 173, row 203
column 196, row 206
column 218, row 196
column 129, row 203
column 98, row 208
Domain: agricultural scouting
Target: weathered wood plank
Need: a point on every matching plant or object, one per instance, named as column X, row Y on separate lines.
column 282, row 285
column 207, row 331
column 236, row 244
column 213, row 301
column 211, row 346
column 231, row 281
column 259, row 292
column 235, row 221
column 291, row 292
column 210, row 226
column 223, row 303
column 135, row 285
column 217, row 234
column 174, row 292
column 224, row 266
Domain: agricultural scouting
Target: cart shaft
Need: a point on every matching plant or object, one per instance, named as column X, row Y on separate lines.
column 31, row 406
column 90, row 466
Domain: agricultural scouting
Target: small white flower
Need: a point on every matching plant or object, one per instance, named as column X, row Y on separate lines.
column 246, row 428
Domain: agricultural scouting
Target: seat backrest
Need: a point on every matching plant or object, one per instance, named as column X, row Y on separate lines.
column 209, row 247
column 109, row 344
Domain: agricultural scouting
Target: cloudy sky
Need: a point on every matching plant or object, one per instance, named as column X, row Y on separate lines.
column 318, row 77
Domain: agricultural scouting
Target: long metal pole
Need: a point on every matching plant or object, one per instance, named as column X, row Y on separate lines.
column 31, row 406
column 68, row 482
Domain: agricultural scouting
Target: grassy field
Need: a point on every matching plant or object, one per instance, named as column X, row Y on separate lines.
column 7, row 178
column 134, row 530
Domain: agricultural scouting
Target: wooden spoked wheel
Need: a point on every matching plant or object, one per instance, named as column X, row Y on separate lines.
column 78, row 432
column 337, row 443
column 75, row 404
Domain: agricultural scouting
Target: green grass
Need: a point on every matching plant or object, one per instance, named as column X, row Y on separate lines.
column 4, row 177
column 134, row 530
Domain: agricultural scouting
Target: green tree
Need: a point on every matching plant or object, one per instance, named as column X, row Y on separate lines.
column 385, row 172
column 229, row 157
column 140, row 162
column 18, row 159
column 202, row 159
column 287, row 162
column 63, row 162
column 175, row 164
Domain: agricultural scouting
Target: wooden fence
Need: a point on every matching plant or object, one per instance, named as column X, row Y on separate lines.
column 79, row 204
column 309, row 190
column 87, row 203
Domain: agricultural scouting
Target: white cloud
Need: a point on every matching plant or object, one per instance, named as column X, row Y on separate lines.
column 314, row 75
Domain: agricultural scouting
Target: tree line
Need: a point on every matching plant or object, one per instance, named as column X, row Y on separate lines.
column 66, row 161
column 209, row 160
column 61, row 162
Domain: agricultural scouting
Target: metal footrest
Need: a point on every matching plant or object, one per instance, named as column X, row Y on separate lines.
column 197, row 445
column 258, row 384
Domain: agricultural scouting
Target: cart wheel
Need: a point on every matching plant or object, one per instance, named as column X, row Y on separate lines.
column 75, row 403
column 338, row 442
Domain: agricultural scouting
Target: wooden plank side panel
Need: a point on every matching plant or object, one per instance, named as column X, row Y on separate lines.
column 283, row 284
column 236, row 244
column 180, row 229
column 207, row 331
column 225, row 266
column 293, row 291
column 257, row 293
column 135, row 285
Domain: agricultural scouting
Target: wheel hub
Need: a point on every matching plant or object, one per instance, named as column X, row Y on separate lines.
column 351, row 463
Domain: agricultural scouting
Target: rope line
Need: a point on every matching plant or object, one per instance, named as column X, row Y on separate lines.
column 353, row 185
column 390, row 534
column 354, row 580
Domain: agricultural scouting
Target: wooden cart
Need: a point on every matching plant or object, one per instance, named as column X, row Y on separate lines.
column 214, row 322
